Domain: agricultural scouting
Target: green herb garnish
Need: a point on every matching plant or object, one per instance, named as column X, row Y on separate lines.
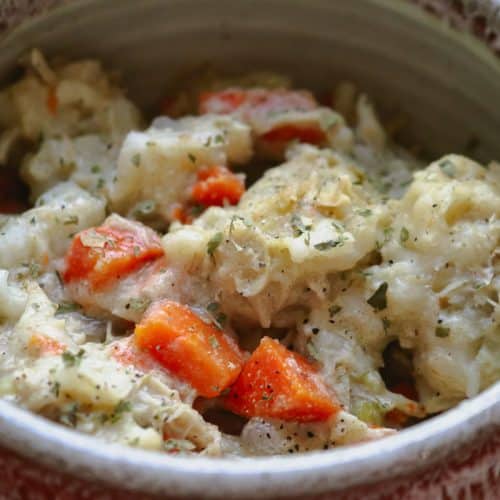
column 447, row 167
column 299, row 228
column 327, row 245
column 67, row 307
column 213, row 243
column 235, row 218
column 365, row 213
column 213, row 307
column 72, row 219
column 144, row 208
column 442, row 332
column 71, row 359
column 139, row 304
column 70, row 417
column 388, row 233
column 221, row 319
column 121, row 408
column 404, row 235
column 56, row 386
column 136, row 159
column 196, row 210
column 34, row 270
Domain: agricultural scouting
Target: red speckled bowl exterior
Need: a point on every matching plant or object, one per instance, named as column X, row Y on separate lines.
column 454, row 456
column 474, row 474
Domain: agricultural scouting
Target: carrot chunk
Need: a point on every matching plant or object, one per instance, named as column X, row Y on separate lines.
column 224, row 102
column 190, row 348
column 43, row 345
column 278, row 383
column 265, row 110
column 180, row 213
column 217, row 185
column 103, row 254
column 253, row 101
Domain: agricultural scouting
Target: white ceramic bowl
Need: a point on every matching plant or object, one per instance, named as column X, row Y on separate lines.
column 447, row 81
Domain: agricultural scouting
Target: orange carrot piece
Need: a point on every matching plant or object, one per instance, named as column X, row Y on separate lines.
column 43, row 345
column 278, row 383
column 224, row 102
column 189, row 348
column 217, row 185
column 252, row 101
column 180, row 213
column 119, row 253
column 252, row 105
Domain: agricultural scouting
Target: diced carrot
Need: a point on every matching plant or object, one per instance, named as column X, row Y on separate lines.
column 278, row 383
column 52, row 101
column 224, row 102
column 287, row 133
column 217, row 185
column 116, row 252
column 43, row 345
column 179, row 213
column 255, row 101
column 190, row 348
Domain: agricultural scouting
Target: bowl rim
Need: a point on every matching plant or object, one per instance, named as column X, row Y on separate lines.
column 408, row 451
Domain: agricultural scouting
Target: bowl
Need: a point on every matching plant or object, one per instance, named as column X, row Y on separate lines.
column 431, row 66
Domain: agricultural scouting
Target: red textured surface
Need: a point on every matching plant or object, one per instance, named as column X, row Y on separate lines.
column 475, row 474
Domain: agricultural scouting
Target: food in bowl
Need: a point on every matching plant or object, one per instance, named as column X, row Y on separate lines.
column 150, row 299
